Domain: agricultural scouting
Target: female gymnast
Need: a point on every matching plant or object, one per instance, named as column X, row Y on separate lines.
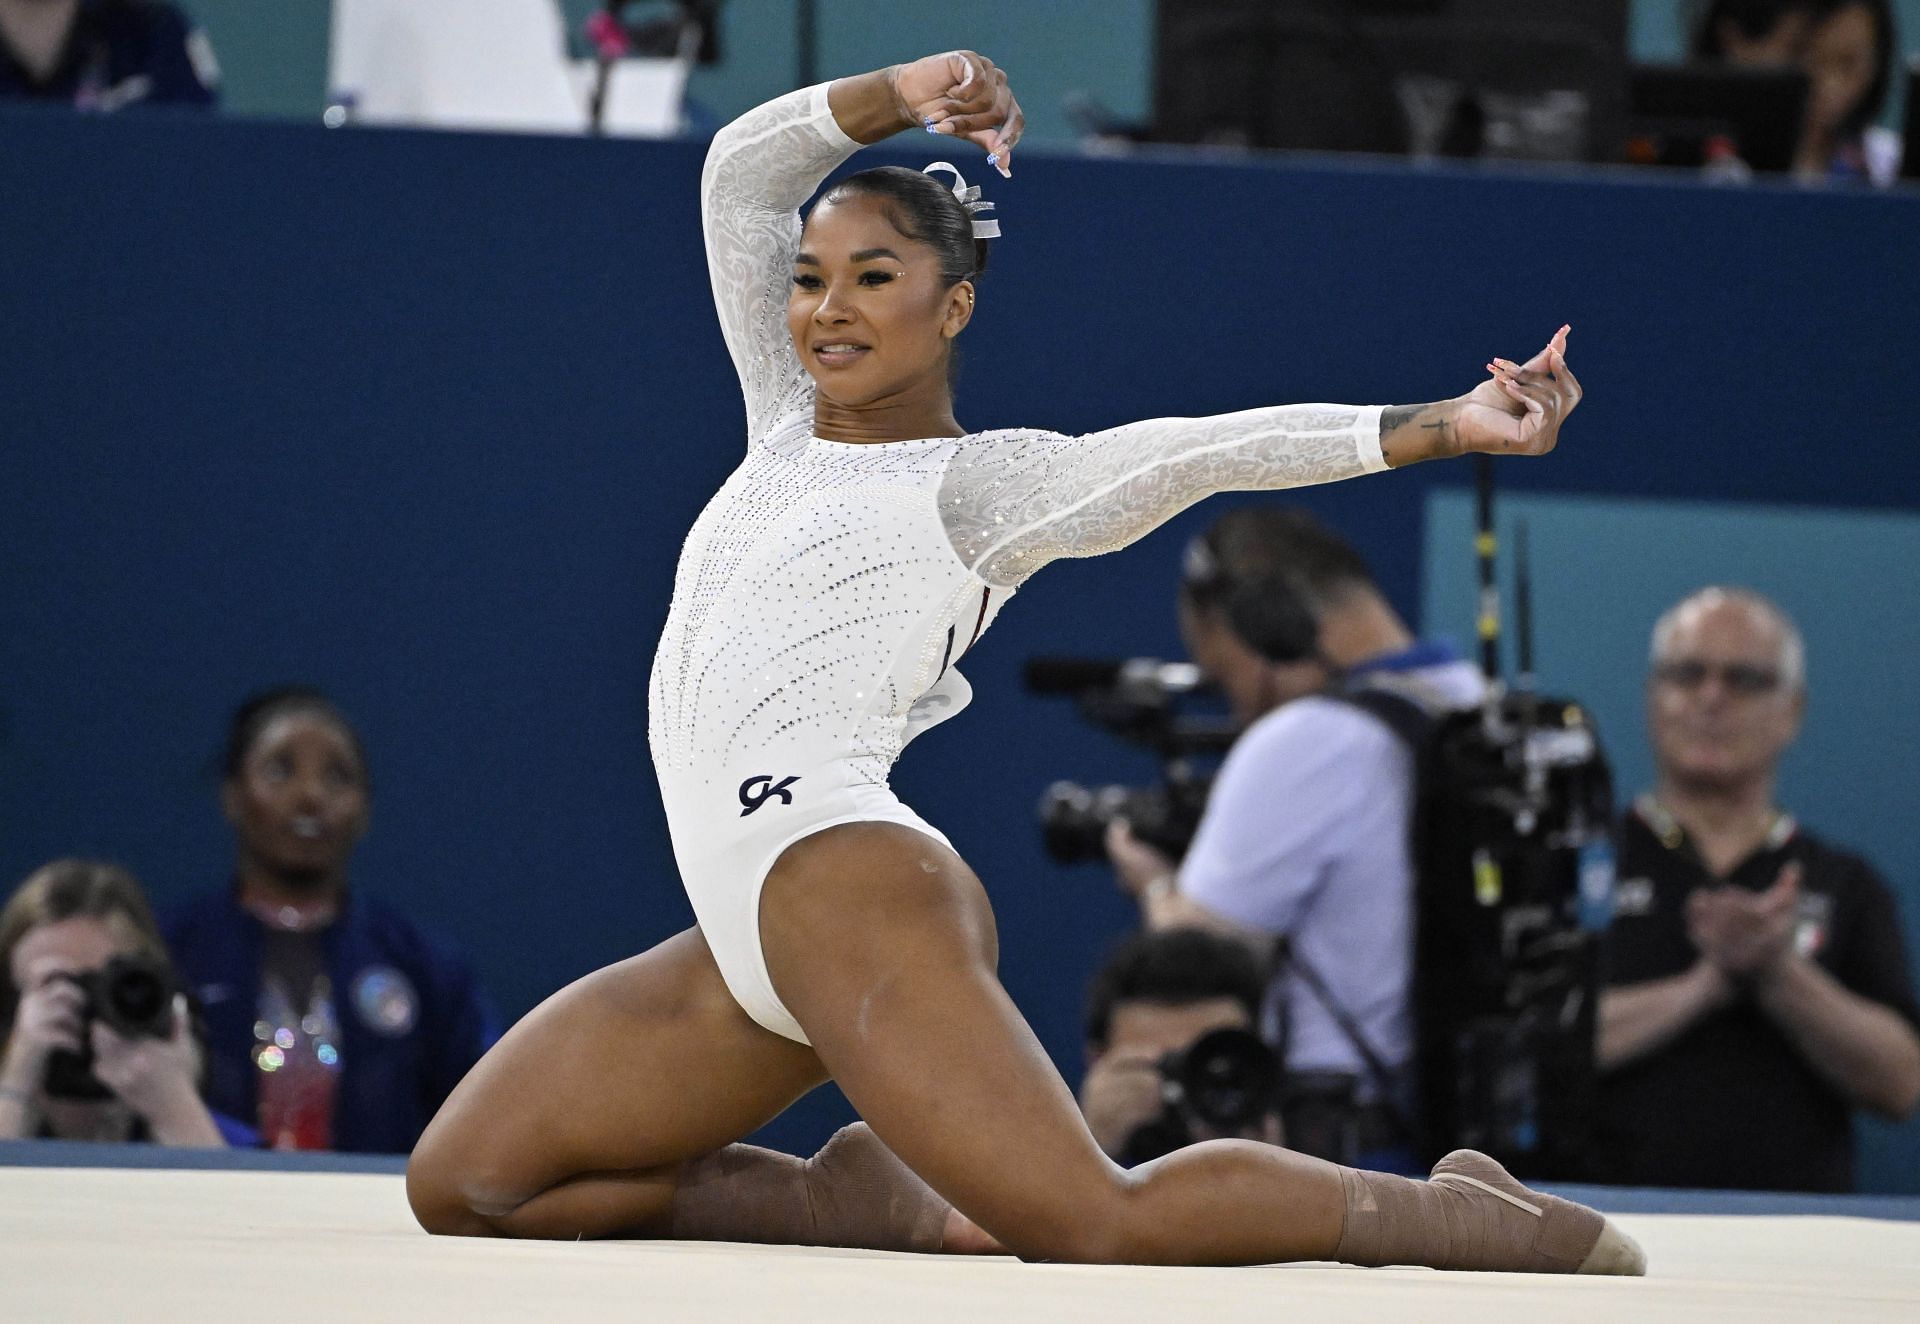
column 820, row 604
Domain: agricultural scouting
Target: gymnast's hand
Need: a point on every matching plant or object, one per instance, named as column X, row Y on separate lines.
column 1519, row 410
column 962, row 94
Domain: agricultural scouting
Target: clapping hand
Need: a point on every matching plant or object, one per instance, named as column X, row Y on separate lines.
column 1746, row 934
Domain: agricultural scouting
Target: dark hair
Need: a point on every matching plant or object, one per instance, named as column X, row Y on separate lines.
column 923, row 209
column 1173, row 966
column 261, row 710
column 1754, row 18
column 1261, row 544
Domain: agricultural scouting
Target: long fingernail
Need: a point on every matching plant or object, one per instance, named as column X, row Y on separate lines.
column 997, row 163
column 927, row 122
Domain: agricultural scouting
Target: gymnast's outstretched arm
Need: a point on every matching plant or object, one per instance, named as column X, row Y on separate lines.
column 1012, row 503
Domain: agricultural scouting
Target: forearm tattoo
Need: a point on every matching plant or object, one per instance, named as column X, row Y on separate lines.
column 1397, row 416
column 1399, row 450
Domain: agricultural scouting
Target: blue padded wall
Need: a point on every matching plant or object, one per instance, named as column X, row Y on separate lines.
column 423, row 418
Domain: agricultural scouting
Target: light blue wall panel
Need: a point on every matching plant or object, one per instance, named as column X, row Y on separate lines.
column 1604, row 570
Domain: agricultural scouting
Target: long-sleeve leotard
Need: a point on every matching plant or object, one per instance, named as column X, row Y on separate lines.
column 829, row 587
column 825, row 593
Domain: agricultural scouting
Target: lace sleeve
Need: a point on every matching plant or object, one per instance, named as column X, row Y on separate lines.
column 759, row 170
column 1011, row 502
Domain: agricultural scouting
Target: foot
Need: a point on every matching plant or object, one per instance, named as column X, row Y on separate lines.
column 1520, row 1230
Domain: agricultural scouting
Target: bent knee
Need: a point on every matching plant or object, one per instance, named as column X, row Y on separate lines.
column 454, row 1195
column 438, row 1203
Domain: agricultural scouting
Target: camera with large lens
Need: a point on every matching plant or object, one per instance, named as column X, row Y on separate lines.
column 133, row 996
column 1138, row 700
column 1074, row 818
column 1222, row 1084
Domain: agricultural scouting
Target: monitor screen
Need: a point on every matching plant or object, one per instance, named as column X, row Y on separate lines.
column 1692, row 114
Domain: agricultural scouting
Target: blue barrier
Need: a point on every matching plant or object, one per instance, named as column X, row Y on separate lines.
column 423, row 418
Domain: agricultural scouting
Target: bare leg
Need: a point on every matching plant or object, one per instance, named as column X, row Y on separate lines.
column 580, row 1119
column 881, row 943
column 608, row 1112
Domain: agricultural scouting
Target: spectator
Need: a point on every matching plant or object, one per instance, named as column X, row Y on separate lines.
column 104, row 55
column 1157, row 996
column 1758, row 986
column 1307, row 832
column 331, row 1019
column 1846, row 48
column 69, row 1072
column 1849, row 58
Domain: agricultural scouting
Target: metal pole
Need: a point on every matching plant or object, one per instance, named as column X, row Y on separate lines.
column 1523, row 608
column 806, row 41
column 1484, row 545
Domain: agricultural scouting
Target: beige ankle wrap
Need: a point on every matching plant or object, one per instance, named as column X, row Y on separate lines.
column 1471, row 1214
column 853, row 1193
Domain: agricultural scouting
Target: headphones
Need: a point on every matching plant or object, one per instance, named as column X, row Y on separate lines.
column 1266, row 612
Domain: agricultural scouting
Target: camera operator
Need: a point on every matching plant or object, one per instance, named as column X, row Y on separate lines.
column 1172, row 1058
column 1306, row 835
column 99, row 1042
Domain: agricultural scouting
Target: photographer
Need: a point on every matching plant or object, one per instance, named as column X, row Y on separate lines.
column 100, row 1044
column 1160, row 1071
column 1306, row 835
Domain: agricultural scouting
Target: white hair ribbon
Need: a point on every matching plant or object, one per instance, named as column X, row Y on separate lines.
column 984, row 227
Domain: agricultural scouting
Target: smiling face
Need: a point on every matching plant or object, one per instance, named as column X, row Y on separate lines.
column 870, row 314
column 298, row 801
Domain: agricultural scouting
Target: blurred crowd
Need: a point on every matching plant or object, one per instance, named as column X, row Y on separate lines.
column 106, row 55
column 1754, row 991
column 1847, row 49
column 283, row 1007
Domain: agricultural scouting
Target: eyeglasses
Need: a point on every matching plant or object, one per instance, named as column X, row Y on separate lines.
column 1741, row 678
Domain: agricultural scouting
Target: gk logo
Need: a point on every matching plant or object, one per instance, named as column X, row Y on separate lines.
column 753, row 798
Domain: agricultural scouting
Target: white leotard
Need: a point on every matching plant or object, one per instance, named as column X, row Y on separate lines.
column 826, row 592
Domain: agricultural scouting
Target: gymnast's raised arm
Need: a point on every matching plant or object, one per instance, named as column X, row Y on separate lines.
column 762, row 166
column 1017, row 502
